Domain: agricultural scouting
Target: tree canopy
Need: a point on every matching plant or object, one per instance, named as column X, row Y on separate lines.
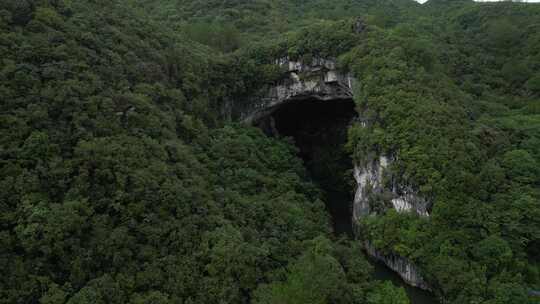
column 123, row 182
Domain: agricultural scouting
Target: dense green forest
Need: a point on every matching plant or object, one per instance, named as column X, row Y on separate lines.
column 123, row 182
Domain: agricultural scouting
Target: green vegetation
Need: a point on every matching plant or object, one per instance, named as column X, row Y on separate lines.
column 387, row 294
column 122, row 182
column 455, row 105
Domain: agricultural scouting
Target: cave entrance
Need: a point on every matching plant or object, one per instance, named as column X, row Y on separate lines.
column 319, row 130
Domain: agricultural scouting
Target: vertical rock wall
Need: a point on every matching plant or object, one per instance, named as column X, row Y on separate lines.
column 318, row 80
column 370, row 182
column 321, row 80
column 406, row 270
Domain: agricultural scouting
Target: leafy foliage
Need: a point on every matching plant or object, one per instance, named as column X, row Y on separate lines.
column 455, row 109
column 123, row 183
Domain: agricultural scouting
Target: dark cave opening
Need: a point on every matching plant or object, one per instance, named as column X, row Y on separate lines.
column 319, row 129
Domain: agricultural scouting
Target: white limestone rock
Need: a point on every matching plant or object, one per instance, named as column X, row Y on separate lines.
column 319, row 80
column 369, row 180
column 402, row 266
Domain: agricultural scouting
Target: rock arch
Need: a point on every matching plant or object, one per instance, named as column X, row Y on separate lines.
column 318, row 80
column 307, row 85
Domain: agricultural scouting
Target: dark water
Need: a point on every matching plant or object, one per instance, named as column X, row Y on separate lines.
column 319, row 130
column 416, row 295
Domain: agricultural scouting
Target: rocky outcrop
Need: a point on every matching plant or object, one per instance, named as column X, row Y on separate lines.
column 369, row 179
column 319, row 80
column 407, row 270
column 376, row 191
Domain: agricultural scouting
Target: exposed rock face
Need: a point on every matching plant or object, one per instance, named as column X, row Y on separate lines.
column 409, row 201
column 408, row 272
column 370, row 182
column 319, row 80
column 369, row 179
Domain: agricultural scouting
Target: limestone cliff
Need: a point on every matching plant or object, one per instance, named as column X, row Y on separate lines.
column 319, row 80
column 369, row 179
column 373, row 179
column 406, row 270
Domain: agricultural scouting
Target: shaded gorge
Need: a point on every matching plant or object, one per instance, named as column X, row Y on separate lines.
column 319, row 130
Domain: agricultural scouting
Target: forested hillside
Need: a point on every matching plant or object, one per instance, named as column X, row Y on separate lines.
column 123, row 181
column 118, row 185
column 454, row 95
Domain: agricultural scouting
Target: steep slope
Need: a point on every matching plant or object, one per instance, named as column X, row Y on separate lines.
column 117, row 185
column 229, row 25
column 452, row 107
column 122, row 181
